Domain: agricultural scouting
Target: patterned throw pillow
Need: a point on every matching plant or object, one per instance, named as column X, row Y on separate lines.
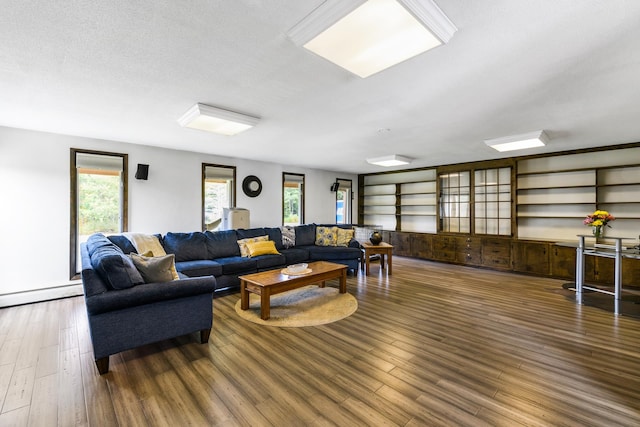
column 344, row 237
column 242, row 243
column 288, row 236
column 326, row 236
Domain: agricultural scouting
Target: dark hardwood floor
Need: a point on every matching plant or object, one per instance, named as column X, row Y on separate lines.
column 432, row 345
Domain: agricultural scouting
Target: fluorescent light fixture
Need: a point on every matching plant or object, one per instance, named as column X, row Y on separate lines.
column 366, row 37
column 519, row 142
column 217, row 120
column 392, row 160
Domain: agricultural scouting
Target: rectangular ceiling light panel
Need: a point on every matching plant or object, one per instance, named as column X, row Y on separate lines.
column 519, row 142
column 376, row 35
column 216, row 120
column 387, row 161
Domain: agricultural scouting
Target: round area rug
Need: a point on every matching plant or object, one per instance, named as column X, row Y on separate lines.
column 307, row 306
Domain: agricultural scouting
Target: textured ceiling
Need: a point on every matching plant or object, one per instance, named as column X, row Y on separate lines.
column 126, row 71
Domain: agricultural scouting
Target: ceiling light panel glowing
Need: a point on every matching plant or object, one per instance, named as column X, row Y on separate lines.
column 375, row 35
column 519, row 142
column 216, row 120
column 392, row 160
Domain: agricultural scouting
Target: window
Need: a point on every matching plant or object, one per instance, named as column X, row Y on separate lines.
column 98, row 198
column 218, row 192
column 292, row 198
column 477, row 201
column 455, row 215
column 343, row 201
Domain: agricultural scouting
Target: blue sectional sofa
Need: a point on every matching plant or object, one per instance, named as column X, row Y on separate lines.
column 133, row 300
column 218, row 253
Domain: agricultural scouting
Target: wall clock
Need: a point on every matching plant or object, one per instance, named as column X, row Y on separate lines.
column 251, row 186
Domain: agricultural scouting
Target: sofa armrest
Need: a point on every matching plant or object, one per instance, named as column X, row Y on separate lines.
column 354, row 244
column 149, row 293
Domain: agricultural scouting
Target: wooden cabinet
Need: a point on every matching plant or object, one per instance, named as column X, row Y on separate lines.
column 563, row 262
column 496, row 253
column 444, row 248
column 469, row 250
column 421, row 246
column 401, row 243
column 531, row 257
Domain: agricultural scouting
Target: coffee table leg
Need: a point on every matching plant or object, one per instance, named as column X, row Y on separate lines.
column 343, row 282
column 265, row 304
column 321, row 284
column 244, row 295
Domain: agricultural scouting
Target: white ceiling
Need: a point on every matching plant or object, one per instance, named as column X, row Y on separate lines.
column 127, row 70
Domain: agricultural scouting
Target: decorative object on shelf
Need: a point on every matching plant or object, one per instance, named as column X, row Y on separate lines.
column 375, row 238
column 598, row 221
column 252, row 186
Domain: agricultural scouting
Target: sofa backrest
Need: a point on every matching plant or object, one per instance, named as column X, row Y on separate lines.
column 186, row 246
column 222, row 244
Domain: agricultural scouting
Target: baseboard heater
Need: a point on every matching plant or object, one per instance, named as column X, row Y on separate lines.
column 38, row 295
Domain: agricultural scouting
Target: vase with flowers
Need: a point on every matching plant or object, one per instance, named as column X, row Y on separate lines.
column 598, row 221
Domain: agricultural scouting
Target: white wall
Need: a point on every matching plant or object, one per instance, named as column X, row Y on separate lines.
column 35, row 184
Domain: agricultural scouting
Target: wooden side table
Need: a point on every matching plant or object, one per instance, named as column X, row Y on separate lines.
column 383, row 249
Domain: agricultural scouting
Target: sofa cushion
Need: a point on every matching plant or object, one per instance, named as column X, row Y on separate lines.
column 295, row 255
column 275, row 234
column 244, row 233
column 326, row 236
column 329, row 253
column 197, row 268
column 242, row 244
column 270, row 261
column 305, row 235
column 221, row 244
column 288, row 236
column 265, row 247
column 115, row 268
column 238, row 265
column 344, row 236
column 123, row 243
column 97, row 240
column 155, row 269
column 186, row 246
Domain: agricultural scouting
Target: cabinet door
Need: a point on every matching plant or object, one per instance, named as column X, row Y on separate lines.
column 444, row 248
column 496, row 253
column 563, row 262
column 630, row 272
column 531, row 257
column 401, row 243
column 421, row 246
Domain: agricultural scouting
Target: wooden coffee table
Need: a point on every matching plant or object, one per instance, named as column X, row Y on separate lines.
column 273, row 282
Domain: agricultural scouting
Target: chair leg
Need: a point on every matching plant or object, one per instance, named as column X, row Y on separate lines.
column 204, row 336
column 103, row 365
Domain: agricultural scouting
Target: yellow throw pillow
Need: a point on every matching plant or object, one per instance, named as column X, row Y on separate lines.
column 326, row 236
column 242, row 243
column 262, row 248
column 344, row 236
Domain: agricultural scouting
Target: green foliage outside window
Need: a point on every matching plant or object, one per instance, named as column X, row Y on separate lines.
column 98, row 203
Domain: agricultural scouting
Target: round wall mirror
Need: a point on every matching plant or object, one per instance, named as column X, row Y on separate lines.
column 252, row 186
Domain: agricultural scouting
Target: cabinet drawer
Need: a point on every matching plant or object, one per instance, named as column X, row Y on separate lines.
column 496, row 261
column 471, row 257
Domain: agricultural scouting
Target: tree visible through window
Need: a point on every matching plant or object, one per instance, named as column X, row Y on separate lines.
column 292, row 198
column 98, row 198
